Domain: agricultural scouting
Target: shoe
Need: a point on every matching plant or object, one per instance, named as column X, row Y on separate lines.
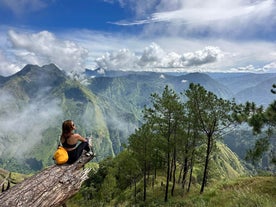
column 89, row 154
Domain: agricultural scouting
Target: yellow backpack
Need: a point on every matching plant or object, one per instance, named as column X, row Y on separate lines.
column 61, row 156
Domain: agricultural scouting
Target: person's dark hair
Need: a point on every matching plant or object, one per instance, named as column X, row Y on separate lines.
column 67, row 127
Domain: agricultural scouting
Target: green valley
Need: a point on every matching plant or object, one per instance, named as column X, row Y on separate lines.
column 160, row 139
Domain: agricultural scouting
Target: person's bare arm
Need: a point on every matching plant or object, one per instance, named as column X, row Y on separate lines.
column 80, row 138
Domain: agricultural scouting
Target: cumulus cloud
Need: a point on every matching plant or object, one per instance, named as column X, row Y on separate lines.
column 88, row 50
column 122, row 59
column 44, row 48
column 208, row 55
column 154, row 56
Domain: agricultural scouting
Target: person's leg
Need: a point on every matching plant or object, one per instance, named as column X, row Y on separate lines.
column 82, row 146
column 75, row 154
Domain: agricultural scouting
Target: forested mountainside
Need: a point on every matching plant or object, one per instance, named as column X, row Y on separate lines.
column 36, row 100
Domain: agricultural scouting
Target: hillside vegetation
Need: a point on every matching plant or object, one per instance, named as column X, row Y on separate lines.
column 228, row 187
column 177, row 149
column 244, row 191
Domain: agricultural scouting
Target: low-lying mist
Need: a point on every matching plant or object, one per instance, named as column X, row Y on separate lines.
column 24, row 122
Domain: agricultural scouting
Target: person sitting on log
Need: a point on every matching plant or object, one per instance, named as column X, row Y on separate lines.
column 69, row 141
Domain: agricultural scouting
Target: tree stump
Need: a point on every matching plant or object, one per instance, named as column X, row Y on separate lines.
column 50, row 188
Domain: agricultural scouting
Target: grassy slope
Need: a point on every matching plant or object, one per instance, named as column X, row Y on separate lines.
column 226, row 171
column 242, row 191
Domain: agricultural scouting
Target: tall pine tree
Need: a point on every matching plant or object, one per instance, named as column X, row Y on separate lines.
column 213, row 116
column 165, row 118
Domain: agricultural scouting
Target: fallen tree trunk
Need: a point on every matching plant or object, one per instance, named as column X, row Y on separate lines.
column 50, row 188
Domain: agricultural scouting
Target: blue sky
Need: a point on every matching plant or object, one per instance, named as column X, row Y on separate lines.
column 151, row 35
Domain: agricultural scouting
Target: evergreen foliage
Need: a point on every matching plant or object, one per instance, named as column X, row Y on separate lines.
column 213, row 116
column 262, row 119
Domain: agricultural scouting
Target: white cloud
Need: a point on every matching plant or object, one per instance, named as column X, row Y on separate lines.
column 100, row 43
column 154, row 56
column 246, row 68
column 271, row 67
column 123, row 59
column 101, row 71
column 201, row 12
column 216, row 17
column 44, row 48
column 189, row 55
column 88, row 49
column 208, row 55
column 6, row 67
column 19, row 122
column 18, row 7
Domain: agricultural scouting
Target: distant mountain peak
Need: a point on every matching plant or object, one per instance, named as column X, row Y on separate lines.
column 29, row 68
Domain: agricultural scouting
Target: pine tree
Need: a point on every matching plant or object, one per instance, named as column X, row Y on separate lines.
column 259, row 118
column 141, row 145
column 165, row 118
column 213, row 115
